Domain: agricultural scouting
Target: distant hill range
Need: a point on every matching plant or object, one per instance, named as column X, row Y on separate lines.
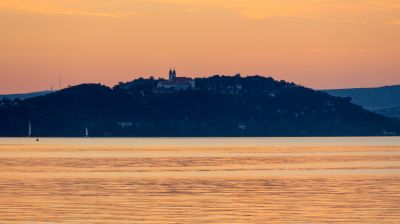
column 383, row 100
column 179, row 107
column 23, row 96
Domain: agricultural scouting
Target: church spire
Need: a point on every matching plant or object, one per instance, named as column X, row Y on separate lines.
column 172, row 74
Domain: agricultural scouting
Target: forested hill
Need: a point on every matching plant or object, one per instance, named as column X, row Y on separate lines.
column 383, row 100
column 22, row 96
column 371, row 98
column 218, row 106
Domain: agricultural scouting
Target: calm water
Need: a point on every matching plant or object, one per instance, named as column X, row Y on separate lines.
column 204, row 180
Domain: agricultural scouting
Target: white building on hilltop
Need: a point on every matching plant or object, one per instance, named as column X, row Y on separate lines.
column 176, row 83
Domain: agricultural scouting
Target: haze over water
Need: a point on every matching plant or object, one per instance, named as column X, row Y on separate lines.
column 200, row 180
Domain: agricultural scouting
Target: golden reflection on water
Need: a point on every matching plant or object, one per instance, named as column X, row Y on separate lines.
column 200, row 181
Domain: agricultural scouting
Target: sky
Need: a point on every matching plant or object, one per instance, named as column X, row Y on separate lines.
column 316, row 43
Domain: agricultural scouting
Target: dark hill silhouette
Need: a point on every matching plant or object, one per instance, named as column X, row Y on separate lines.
column 219, row 106
column 389, row 112
column 383, row 100
column 371, row 98
column 23, row 96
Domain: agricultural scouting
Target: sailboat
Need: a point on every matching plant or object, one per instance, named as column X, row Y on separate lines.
column 29, row 129
column 86, row 133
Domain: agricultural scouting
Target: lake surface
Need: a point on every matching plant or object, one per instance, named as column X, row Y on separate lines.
column 200, row 180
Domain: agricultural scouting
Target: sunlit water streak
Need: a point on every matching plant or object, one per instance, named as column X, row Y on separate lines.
column 205, row 180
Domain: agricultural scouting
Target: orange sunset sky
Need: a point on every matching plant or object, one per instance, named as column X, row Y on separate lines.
column 316, row 43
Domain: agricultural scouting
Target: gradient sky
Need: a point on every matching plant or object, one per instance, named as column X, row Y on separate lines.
column 316, row 43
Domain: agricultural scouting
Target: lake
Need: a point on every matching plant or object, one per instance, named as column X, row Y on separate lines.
column 200, row 180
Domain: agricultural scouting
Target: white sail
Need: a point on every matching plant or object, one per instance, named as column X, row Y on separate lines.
column 29, row 129
column 86, row 132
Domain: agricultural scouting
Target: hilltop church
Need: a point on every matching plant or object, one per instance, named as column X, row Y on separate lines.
column 176, row 83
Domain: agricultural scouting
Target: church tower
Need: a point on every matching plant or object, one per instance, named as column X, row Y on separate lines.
column 172, row 74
